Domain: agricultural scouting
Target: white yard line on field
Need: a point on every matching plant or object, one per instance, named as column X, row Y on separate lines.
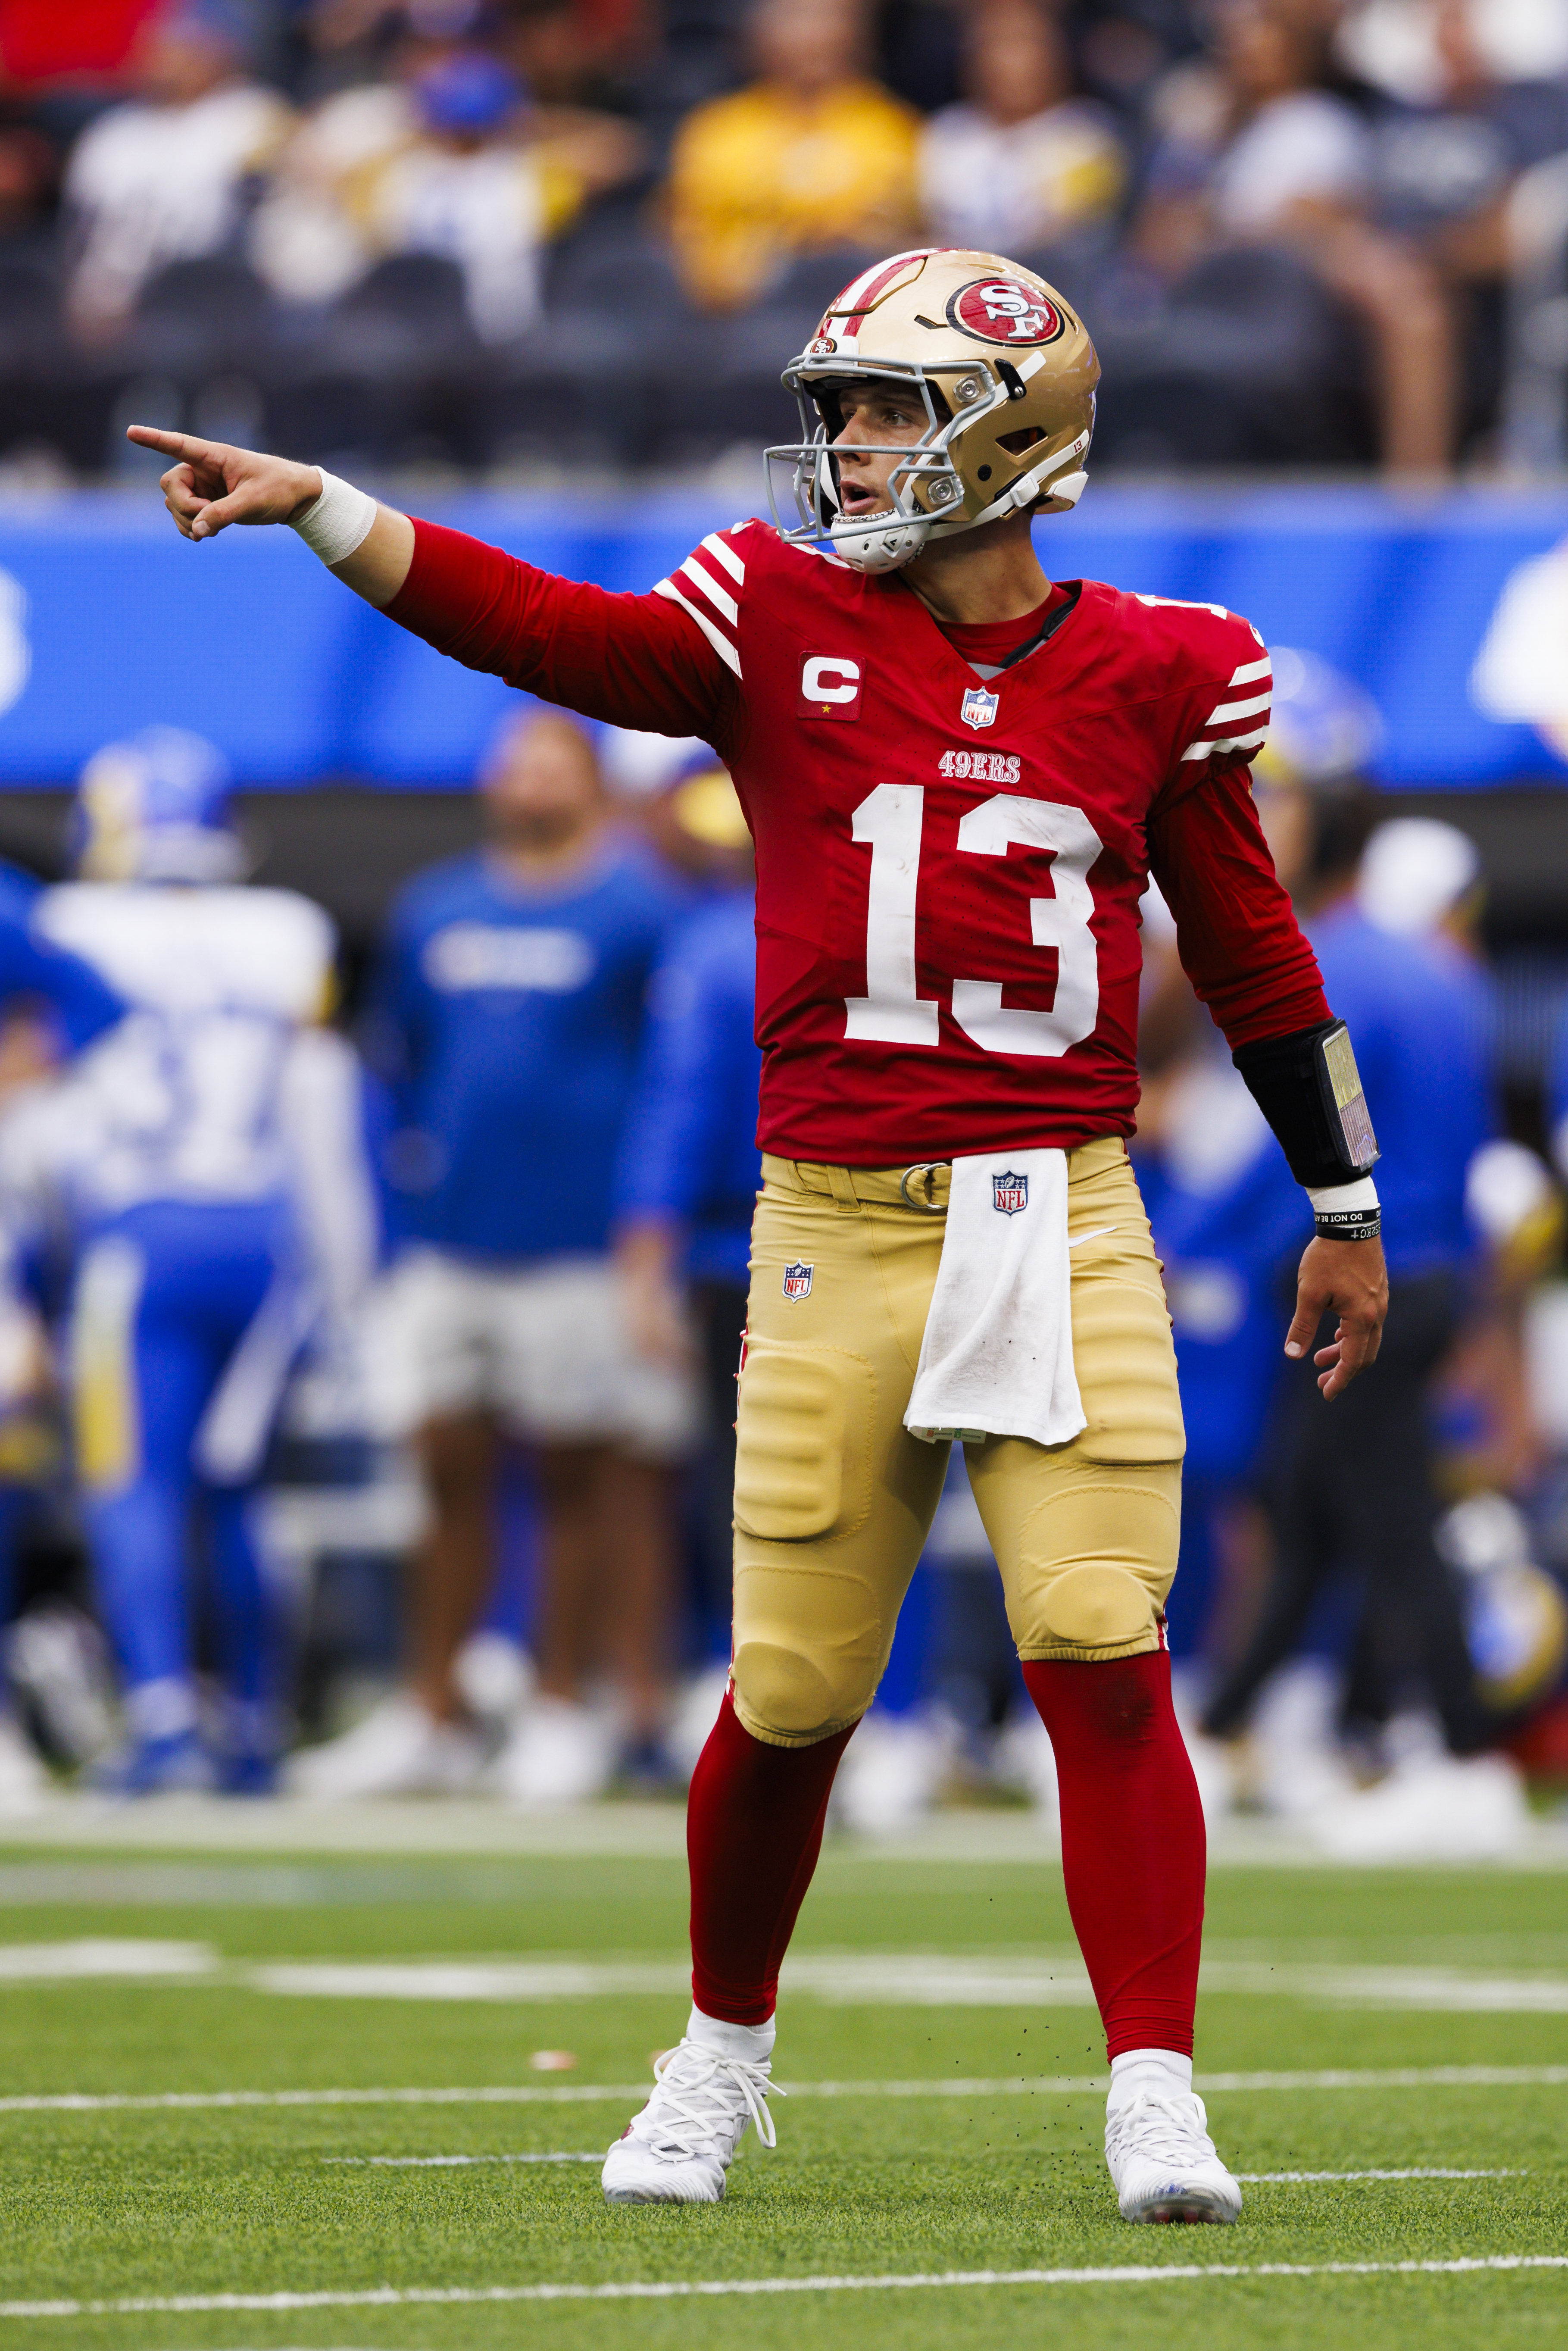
column 1044, row 1978
column 389, row 2297
column 594, row 2154
column 529, row 2094
column 1421, row 2171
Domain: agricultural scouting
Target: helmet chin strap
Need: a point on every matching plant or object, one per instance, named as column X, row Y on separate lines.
column 883, row 542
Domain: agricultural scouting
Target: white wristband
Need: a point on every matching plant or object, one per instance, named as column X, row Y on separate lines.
column 337, row 522
column 1327, row 1198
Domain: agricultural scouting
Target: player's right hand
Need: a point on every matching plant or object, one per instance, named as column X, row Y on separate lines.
column 210, row 484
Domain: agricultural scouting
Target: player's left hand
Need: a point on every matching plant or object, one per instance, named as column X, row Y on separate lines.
column 1350, row 1277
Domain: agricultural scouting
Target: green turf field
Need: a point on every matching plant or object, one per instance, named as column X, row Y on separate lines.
column 1313, row 1970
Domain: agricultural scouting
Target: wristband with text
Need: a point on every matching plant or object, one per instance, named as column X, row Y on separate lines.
column 1346, row 1212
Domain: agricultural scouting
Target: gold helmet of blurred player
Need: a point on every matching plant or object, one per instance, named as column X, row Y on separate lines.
column 1006, row 373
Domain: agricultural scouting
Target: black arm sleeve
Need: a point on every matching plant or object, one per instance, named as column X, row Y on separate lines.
column 1308, row 1088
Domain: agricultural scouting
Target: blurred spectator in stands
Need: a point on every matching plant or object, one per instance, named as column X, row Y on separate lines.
column 579, row 52
column 1022, row 162
column 570, row 52
column 30, row 182
column 509, row 1016
column 163, row 177
column 689, row 1167
column 1474, row 94
column 454, row 162
column 1420, row 52
column 346, row 42
column 1257, row 151
column 810, row 156
column 1125, row 49
column 464, row 188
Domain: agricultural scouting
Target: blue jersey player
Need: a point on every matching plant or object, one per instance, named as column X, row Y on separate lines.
column 170, row 1151
column 509, row 1018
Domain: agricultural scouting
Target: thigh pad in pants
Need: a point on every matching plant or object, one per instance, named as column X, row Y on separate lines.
column 1087, row 1534
column 832, row 1497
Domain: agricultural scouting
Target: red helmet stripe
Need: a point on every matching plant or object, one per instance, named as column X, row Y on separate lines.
column 861, row 292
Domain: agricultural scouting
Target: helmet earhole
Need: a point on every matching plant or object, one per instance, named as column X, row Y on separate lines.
column 985, row 473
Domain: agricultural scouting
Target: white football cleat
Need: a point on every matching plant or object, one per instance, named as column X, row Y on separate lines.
column 560, row 1753
column 1163, row 2163
column 677, row 2150
column 398, row 1749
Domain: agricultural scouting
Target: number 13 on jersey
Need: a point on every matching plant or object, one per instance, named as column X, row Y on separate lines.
column 889, row 822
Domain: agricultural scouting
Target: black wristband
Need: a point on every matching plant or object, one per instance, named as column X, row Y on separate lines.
column 1348, row 1224
column 1307, row 1086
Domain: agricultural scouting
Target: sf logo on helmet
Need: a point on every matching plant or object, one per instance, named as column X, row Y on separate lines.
column 1004, row 310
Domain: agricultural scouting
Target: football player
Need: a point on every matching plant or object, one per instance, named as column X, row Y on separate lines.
column 185, row 1156
column 959, row 777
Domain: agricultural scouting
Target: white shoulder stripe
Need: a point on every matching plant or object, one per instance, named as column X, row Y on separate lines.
column 1238, row 709
column 1248, row 671
column 721, row 644
column 732, row 563
column 1227, row 743
column 723, row 602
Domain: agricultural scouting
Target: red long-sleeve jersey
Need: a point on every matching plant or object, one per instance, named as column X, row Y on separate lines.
column 949, row 869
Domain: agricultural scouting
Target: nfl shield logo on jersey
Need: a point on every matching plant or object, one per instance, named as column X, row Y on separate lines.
column 980, row 708
column 1010, row 1192
column 798, row 1281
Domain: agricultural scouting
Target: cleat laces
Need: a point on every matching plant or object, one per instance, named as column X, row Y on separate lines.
column 1173, row 2131
column 696, row 2101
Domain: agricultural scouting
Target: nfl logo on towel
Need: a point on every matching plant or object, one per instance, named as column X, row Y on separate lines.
column 1010, row 1192
column 980, row 708
column 798, row 1281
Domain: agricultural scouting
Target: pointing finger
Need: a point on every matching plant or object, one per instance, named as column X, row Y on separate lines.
column 170, row 445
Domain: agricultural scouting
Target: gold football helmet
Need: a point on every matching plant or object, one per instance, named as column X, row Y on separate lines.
column 1008, row 376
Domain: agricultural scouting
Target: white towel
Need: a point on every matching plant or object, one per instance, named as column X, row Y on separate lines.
column 996, row 1357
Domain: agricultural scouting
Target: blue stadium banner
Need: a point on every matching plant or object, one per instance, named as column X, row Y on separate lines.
column 1450, row 611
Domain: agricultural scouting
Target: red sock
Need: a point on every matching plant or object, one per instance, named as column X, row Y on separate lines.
column 1133, row 1846
column 754, row 1829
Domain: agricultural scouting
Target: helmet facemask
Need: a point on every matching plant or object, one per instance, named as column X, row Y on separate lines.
column 892, row 535
column 1005, row 374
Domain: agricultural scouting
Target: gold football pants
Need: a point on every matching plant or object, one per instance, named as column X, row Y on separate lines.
column 834, row 1498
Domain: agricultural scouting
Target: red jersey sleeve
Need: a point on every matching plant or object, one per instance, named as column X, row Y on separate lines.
column 1235, row 929
column 649, row 662
column 1237, row 932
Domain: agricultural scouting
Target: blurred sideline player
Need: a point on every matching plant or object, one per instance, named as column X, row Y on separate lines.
column 508, row 1017
column 52, row 1005
column 959, row 778
column 174, row 1154
column 689, row 1165
column 1362, row 1488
